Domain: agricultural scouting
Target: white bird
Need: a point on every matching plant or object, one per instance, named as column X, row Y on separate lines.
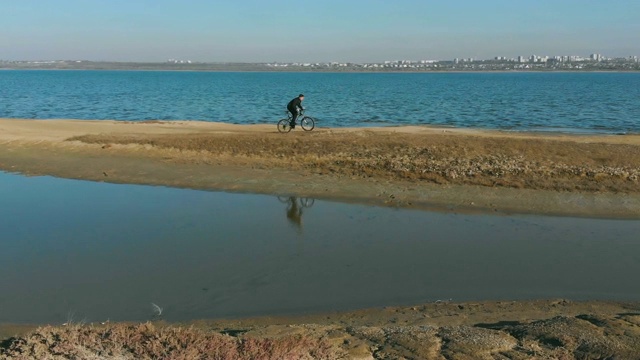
column 157, row 309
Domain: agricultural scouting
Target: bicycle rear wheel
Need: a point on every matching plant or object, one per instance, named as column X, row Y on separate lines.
column 284, row 199
column 284, row 126
column 307, row 123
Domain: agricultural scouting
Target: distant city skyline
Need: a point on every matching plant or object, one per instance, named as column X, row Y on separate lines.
column 356, row 31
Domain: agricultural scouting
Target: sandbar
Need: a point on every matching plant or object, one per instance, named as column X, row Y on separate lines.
column 442, row 169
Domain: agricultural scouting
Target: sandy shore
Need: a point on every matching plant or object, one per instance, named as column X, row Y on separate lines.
column 551, row 329
column 421, row 167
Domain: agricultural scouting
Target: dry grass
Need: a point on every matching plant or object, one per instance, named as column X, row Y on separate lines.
column 583, row 336
column 460, row 159
column 147, row 341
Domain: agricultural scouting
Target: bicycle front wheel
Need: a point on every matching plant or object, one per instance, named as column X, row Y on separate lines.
column 306, row 202
column 307, row 123
column 284, row 126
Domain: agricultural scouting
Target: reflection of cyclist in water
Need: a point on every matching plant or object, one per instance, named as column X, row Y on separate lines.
column 294, row 212
column 295, row 208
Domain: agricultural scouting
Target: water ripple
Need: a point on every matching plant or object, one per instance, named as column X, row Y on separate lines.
column 598, row 102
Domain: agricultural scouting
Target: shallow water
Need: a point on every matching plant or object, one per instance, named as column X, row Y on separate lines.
column 94, row 251
column 561, row 102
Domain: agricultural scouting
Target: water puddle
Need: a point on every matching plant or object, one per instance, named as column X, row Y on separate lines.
column 93, row 251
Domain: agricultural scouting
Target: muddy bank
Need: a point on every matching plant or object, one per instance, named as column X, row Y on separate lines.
column 551, row 329
column 454, row 170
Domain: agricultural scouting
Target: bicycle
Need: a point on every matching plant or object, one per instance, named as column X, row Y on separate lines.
column 295, row 208
column 303, row 202
column 306, row 122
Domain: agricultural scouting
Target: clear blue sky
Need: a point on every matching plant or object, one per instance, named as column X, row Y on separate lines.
column 318, row 30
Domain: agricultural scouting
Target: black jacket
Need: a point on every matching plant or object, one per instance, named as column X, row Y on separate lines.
column 294, row 104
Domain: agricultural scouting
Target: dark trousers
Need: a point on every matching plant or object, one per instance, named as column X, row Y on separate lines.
column 294, row 116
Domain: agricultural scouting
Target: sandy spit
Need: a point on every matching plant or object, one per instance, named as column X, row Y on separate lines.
column 415, row 166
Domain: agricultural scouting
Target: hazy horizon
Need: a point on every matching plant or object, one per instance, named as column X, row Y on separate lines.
column 300, row 31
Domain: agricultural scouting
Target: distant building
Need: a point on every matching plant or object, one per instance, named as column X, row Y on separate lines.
column 595, row 57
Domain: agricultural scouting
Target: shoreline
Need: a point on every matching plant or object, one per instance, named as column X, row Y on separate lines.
column 556, row 328
column 378, row 126
column 550, row 132
column 249, row 159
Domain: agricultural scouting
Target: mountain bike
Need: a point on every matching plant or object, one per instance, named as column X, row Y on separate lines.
column 306, row 122
column 295, row 208
column 303, row 202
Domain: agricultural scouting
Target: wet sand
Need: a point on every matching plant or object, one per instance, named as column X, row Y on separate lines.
column 420, row 167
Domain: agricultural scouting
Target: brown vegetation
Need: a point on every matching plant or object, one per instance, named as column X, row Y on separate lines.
column 534, row 330
column 518, row 162
column 147, row 341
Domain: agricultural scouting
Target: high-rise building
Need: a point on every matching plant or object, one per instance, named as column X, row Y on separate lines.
column 595, row 57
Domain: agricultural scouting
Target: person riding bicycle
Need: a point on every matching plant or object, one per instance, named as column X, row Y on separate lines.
column 295, row 106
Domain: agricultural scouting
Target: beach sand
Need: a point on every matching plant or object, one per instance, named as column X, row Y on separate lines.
column 438, row 169
column 420, row 167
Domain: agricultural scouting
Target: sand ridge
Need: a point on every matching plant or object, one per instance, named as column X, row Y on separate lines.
column 61, row 129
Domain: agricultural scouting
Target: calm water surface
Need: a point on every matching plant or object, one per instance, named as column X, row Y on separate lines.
column 95, row 251
column 559, row 102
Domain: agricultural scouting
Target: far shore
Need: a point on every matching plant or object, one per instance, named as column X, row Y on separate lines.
column 444, row 169
column 331, row 71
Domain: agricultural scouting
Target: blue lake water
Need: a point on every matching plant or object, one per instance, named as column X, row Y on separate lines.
column 93, row 251
column 573, row 102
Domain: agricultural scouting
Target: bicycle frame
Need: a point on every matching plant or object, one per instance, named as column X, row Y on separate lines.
column 306, row 122
column 300, row 114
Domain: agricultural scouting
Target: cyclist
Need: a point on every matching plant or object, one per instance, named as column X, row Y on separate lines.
column 294, row 107
column 294, row 213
